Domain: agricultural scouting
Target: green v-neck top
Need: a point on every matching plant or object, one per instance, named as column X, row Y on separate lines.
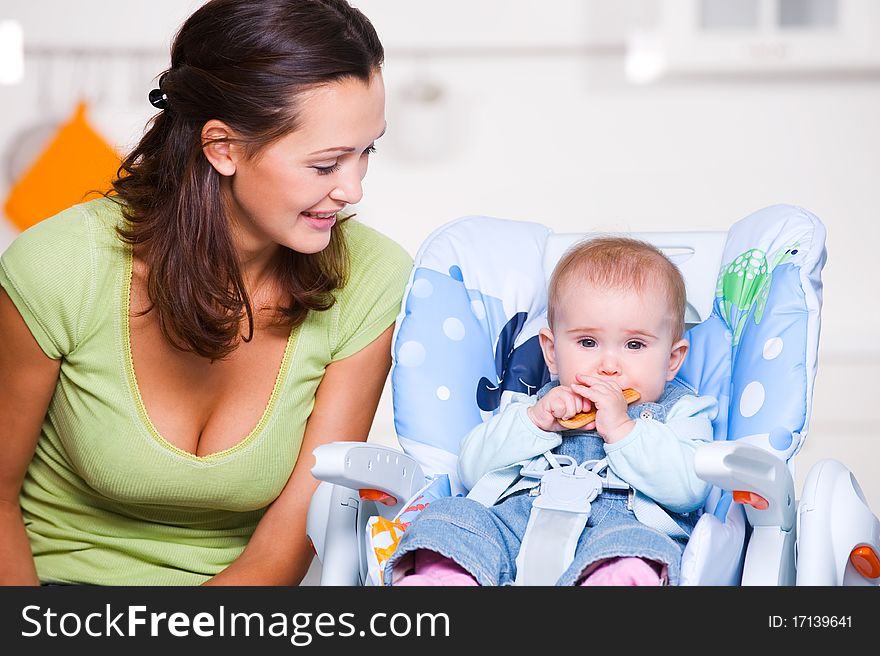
column 108, row 501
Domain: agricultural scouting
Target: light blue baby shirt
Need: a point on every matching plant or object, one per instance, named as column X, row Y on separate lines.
column 655, row 458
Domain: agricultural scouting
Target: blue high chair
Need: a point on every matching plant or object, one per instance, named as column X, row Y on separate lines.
column 466, row 341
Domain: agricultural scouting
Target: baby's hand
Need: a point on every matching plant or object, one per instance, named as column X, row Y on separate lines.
column 559, row 403
column 612, row 421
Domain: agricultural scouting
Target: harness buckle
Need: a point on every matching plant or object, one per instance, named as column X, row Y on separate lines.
column 538, row 467
column 570, row 489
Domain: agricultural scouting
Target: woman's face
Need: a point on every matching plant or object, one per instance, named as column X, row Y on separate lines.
column 291, row 192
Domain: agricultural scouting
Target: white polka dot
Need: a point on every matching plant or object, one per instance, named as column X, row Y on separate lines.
column 454, row 329
column 443, row 393
column 421, row 288
column 411, row 354
column 752, row 399
column 479, row 309
column 772, row 348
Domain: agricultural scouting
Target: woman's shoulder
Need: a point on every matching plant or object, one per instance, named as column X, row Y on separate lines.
column 66, row 251
column 54, row 270
column 379, row 269
column 373, row 256
column 366, row 242
column 77, row 228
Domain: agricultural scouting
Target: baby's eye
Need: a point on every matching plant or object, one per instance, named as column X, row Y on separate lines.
column 634, row 345
column 587, row 342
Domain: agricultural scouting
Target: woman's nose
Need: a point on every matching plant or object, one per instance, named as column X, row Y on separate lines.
column 349, row 190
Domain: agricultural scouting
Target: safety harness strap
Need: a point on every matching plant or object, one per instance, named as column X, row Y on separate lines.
column 648, row 512
column 561, row 509
column 491, row 487
column 557, row 520
column 548, row 545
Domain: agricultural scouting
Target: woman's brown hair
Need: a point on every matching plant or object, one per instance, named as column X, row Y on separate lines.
column 243, row 62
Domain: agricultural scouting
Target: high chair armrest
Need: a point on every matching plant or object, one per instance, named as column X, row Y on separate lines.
column 362, row 466
column 331, row 526
column 758, row 479
column 761, row 481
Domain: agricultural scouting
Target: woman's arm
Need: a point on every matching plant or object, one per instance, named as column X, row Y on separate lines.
column 27, row 382
column 278, row 552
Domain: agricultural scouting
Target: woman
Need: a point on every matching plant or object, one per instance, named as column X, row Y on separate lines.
column 174, row 352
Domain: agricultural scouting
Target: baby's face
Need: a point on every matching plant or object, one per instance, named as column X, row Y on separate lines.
column 623, row 335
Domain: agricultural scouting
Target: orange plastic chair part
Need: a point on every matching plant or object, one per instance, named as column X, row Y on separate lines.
column 754, row 500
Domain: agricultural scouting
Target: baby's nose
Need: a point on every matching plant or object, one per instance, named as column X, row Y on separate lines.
column 609, row 365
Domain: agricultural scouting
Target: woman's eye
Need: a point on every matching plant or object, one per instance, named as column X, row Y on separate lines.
column 634, row 345
column 327, row 170
column 370, row 150
column 587, row 343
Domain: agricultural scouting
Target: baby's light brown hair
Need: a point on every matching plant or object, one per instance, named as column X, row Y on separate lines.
column 620, row 263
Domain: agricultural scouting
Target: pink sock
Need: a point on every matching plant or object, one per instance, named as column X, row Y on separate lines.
column 433, row 569
column 624, row 571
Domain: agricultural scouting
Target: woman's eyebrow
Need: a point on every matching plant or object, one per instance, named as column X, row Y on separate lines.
column 340, row 149
column 344, row 149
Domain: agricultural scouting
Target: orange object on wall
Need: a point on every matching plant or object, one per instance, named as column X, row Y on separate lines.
column 76, row 165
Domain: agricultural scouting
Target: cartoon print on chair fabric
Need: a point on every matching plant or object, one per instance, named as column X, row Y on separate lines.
column 763, row 380
column 769, row 355
column 457, row 326
column 744, row 283
column 770, row 376
column 519, row 368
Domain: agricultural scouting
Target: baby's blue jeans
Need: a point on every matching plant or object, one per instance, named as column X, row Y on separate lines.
column 485, row 541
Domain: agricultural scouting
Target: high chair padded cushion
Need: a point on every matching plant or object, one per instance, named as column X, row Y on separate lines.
column 467, row 334
column 714, row 552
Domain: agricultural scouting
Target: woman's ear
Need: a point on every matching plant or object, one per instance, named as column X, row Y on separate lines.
column 676, row 357
column 545, row 337
column 218, row 150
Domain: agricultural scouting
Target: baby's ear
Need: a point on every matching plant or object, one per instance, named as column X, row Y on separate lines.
column 545, row 336
column 676, row 357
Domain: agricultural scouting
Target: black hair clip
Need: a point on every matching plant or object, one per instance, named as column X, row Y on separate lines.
column 158, row 99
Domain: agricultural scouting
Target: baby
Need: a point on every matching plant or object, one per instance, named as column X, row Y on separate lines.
column 615, row 317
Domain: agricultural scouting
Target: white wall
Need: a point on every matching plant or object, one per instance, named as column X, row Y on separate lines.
column 536, row 121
